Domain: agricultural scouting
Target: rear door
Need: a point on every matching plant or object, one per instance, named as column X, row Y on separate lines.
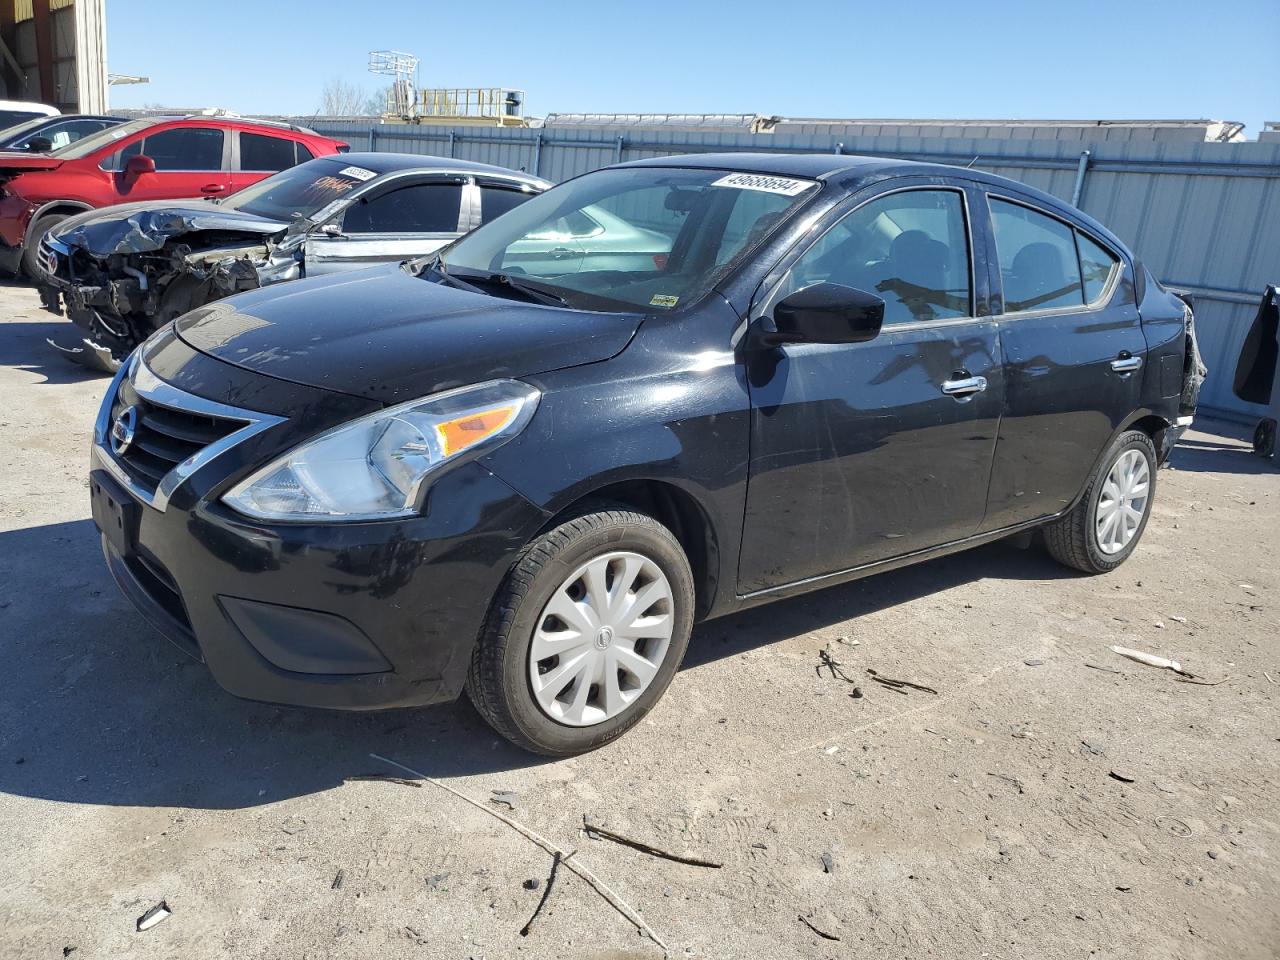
column 390, row 224
column 1074, row 353
column 190, row 162
column 863, row 452
column 259, row 155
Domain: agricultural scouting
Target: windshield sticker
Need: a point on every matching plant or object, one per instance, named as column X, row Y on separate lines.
column 755, row 181
column 663, row 300
column 359, row 173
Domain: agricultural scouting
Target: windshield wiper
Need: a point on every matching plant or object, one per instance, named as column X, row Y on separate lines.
column 527, row 290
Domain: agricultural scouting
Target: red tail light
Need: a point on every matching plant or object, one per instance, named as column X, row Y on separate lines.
column 660, row 260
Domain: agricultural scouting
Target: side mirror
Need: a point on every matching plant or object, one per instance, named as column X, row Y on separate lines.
column 824, row 313
column 39, row 145
column 137, row 165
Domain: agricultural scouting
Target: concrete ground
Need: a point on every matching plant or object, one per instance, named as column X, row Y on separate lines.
column 1052, row 800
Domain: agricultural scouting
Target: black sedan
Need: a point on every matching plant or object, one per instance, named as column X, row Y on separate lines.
column 526, row 466
column 46, row 134
column 124, row 271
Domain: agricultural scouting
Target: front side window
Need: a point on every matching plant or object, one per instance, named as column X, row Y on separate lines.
column 909, row 248
column 1097, row 266
column 1038, row 263
column 646, row 237
column 186, row 148
column 495, row 201
column 422, row 208
column 259, row 152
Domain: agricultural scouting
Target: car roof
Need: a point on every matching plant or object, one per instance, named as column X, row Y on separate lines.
column 381, row 163
column 853, row 171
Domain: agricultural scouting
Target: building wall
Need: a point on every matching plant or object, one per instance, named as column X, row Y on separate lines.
column 1204, row 216
column 59, row 48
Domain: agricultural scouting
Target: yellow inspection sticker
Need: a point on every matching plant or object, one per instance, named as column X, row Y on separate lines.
column 663, row 300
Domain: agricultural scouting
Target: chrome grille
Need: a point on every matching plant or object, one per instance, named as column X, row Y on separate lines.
column 164, row 436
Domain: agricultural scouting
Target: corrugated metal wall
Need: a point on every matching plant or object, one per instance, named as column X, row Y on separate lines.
column 1204, row 216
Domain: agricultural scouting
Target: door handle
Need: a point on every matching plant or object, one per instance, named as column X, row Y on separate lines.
column 1126, row 363
column 965, row 387
column 561, row 253
column 213, row 188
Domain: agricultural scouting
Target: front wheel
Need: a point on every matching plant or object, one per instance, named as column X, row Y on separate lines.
column 31, row 265
column 585, row 634
column 1105, row 526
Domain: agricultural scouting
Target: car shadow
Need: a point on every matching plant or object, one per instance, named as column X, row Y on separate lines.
column 99, row 709
column 1220, row 456
column 24, row 346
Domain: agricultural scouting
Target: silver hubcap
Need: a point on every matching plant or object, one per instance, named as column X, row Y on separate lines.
column 601, row 639
column 1123, row 502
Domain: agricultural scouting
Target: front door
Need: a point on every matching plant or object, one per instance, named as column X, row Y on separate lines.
column 862, row 452
column 1074, row 352
column 389, row 226
column 190, row 162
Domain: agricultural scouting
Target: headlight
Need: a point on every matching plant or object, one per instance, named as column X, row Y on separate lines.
column 375, row 467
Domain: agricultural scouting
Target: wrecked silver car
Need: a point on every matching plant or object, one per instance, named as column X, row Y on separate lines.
column 123, row 272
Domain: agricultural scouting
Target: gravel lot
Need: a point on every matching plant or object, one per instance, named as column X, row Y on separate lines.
column 985, row 820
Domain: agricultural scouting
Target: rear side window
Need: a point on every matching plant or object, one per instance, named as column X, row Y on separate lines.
column 303, row 153
column 1038, row 263
column 909, row 248
column 191, row 148
column 423, row 208
column 495, row 201
column 1097, row 266
column 261, row 153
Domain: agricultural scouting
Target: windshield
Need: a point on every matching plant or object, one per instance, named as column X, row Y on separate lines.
column 95, row 141
column 300, row 191
column 15, row 135
column 639, row 237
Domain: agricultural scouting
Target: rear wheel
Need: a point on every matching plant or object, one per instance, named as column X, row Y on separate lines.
column 1105, row 526
column 1264, row 438
column 585, row 634
column 31, row 250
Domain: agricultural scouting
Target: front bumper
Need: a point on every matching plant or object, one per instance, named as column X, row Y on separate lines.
column 345, row 616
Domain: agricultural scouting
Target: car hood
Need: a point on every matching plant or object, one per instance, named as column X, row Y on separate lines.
column 149, row 225
column 14, row 162
column 388, row 335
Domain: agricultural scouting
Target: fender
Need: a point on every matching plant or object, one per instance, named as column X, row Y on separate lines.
column 55, row 206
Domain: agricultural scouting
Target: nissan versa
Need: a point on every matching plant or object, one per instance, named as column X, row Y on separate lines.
column 527, row 465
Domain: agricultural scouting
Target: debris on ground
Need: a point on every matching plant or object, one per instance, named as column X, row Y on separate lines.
column 403, row 781
column 531, row 883
column 822, row 933
column 828, row 662
column 828, row 863
column 1098, row 666
column 546, row 891
column 435, row 880
column 1173, row 825
column 337, row 880
column 1150, row 659
column 899, row 684
column 153, row 916
column 1176, row 619
column 1012, row 781
column 1122, row 777
column 1033, row 662
column 596, row 832
column 507, row 798
column 1022, row 731
column 293, row 825
column 856, row 693
column 1096, row 749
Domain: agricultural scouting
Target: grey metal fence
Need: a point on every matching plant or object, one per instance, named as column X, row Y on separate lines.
column 1204, row 216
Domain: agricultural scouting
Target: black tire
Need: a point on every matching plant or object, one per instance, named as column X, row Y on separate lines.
column 30, row 250
column 1072, row 539
column 1264, row 438
column 498, row 681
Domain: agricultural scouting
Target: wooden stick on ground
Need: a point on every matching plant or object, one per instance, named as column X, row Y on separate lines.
column 592, row 880
column 594, row 831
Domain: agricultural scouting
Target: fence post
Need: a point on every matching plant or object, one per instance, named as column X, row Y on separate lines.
column 537, row 155
column 839, row 149
column 617, row 150
column 1078, row 190
column 373, row 136
column 452, row 135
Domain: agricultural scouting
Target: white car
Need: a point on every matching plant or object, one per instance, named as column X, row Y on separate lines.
column 16, row 111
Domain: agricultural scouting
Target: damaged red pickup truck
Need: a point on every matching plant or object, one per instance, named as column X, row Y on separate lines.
column 157, row 158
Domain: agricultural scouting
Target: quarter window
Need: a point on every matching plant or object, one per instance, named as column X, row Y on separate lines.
column 259, row 152
column 1097, row 267
column 424, row 208
column 910, row 248
column 1038, row 264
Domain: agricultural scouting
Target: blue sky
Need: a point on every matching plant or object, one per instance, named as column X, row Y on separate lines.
column 1031, row 59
